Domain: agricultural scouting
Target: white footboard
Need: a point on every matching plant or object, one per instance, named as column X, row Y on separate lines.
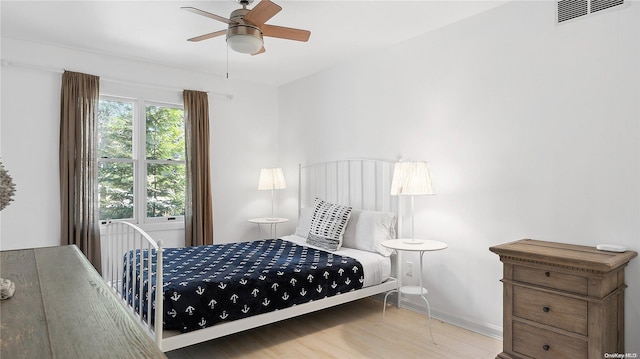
column 122, row 238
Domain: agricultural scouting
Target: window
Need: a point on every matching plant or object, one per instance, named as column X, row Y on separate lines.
column 141, row 171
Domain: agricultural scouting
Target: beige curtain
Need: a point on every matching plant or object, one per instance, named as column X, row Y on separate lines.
column 198, row 215
column 78, row 164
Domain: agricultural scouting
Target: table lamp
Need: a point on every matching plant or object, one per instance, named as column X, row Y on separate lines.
column 271, row 179
column 411, row 179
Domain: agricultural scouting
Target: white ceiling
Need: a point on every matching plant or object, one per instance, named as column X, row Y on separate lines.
column 156, row 31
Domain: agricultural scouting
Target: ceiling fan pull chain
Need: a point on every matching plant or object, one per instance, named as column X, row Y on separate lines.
column 227, row 61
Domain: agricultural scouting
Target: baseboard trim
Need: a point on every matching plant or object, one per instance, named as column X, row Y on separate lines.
column 485, row 329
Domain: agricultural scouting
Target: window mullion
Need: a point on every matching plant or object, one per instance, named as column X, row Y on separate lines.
column 141, row 164
column 167, row 162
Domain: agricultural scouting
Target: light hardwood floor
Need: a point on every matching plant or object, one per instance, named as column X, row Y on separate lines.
column 352, row 330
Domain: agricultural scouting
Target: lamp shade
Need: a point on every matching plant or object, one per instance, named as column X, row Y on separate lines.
column 271, row 178
column 411, row 178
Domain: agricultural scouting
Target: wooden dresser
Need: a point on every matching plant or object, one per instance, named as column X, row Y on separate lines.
column 63, row 309
column 561, row 300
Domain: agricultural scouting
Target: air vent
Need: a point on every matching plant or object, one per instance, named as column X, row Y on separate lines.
column 571, row 9
column 597, row 5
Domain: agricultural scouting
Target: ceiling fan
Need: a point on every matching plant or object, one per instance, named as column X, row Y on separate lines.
column 247, row 27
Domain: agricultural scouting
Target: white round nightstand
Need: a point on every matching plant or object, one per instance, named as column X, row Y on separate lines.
column 273, row 222
column 422, row 246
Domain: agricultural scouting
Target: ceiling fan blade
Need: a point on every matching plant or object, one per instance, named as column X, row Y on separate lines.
column 208, row 14
column 285, row 33
column 261, row 51
column 262, row 12
column 208, row 36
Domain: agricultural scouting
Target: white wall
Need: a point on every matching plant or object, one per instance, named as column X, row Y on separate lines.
column 243, row 137
column 532, row 130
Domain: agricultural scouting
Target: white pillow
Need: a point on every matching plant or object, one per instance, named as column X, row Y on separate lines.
column 328, row 224
column 367, row 230
column 304, row 222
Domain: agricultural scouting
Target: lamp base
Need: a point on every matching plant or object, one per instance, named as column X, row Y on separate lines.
column 272, row 219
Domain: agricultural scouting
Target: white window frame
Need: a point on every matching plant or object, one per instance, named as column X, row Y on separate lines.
column 140, row 161
column 143, row 156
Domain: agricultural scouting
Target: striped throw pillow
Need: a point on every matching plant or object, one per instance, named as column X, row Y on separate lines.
column 328, row 223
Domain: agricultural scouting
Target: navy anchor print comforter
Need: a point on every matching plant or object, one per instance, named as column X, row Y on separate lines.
column 209, row 284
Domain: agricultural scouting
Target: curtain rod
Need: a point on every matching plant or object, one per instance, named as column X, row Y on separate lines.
column 5, row 62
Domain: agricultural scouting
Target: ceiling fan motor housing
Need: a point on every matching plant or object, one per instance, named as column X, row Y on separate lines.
column 243, row 37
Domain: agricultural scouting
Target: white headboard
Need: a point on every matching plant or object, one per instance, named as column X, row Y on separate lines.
column 359, row 183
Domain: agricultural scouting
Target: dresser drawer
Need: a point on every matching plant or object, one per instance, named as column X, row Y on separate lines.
column 548, row 278
column 551, row 309
column 541, row 344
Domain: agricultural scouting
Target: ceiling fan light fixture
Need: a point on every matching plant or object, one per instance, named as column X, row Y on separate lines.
column 244, row 39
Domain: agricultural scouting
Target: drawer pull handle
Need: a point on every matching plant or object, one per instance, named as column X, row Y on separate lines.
column 546, row 347
column 546, row 309
column 548, row 274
